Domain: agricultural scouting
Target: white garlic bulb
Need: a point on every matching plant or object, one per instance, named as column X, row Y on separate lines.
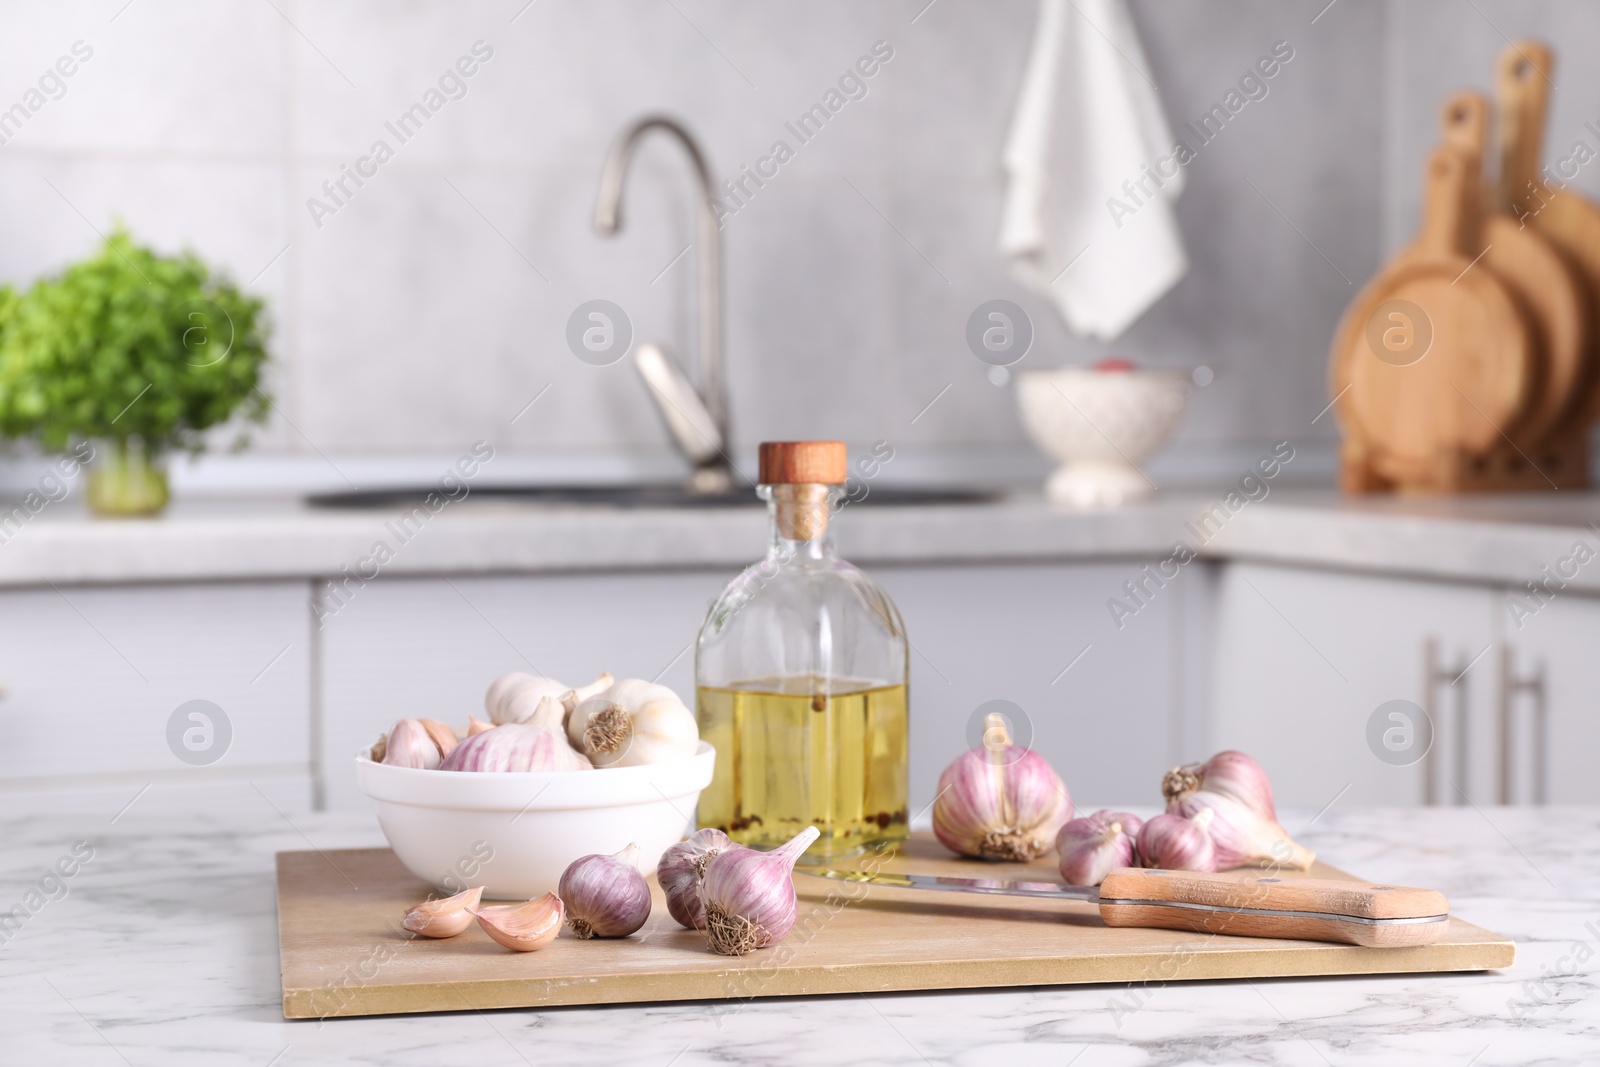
column 513, row 697
column 632, row 723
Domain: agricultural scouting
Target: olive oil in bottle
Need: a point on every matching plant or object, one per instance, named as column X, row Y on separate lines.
column 800, row 676
column 792, row 754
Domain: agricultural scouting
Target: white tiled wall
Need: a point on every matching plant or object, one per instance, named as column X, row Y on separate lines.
column 430, row 309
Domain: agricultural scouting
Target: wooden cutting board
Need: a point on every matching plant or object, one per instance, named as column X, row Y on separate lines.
column 343, row 952
column 1462, row 378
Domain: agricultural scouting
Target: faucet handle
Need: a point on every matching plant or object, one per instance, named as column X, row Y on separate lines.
column 681, row 408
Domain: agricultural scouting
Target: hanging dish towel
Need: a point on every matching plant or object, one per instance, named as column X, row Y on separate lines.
column 1087, row 217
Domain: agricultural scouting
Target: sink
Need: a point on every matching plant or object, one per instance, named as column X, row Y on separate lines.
column 669, row 495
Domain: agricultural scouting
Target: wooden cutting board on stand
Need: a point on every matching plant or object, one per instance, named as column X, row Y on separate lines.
column 1534, row 273
column 1568, row 221
column 343, row 952
column 1433, row 362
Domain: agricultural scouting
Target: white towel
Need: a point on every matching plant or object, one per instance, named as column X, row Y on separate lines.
column 1088, row 121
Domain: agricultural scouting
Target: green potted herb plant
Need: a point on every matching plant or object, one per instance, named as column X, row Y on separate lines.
column 136, row 352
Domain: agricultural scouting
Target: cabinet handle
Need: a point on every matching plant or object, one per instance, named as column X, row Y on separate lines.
column 1435, row 673
column 1511, row 687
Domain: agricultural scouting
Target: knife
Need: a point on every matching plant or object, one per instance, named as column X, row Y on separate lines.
column 1313, row 909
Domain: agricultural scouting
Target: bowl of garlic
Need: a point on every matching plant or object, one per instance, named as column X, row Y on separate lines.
column 555, row 773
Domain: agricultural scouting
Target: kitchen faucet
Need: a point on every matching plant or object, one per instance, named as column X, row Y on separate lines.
column 698, row 421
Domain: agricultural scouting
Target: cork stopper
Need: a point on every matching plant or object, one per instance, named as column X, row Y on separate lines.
column 803, row 463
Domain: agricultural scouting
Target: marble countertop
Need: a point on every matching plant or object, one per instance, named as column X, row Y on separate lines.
column 161, row 949
column 1506, row 539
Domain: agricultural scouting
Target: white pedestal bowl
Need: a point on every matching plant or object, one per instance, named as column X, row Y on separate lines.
column 1100, row 425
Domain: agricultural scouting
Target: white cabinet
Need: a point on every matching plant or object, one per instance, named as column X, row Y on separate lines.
column 91, row 677
column 1304, row 658
column 1548, row 704
column 1106, row 705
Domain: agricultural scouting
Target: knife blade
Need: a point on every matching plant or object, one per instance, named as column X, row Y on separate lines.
column 1314, row 909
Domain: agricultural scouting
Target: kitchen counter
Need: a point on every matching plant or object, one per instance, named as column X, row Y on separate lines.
column 1505, row 539
column 162, row 950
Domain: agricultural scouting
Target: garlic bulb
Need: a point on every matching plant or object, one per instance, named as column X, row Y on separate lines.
column 445, row 917
column 1177, row 843
column 680, row 870
column 749, row 896
column 1000, row 802
column 514, row 697
column 605, row 896
column 523, row 927
column 633, row 722
column 1245, row 829
column 410, row 746
column 536, row 745
column 1094, row 846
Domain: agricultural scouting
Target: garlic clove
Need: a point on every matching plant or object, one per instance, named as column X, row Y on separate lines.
column 442, row 736
column 445, row 917
column 573, row 697
column 380, row 748
column 1177, row 843
column 749, row 896
column 476, row 725
column 679, row 873
column 1094, row 846
column 1243, row 838
column 605, row 896
column 1001, row 801
column 410, row 746
column 1246, row 832
column 523, row 927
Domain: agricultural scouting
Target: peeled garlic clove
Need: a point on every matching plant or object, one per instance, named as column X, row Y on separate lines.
column 476, row 725
column 410, row 746
column 445, row 917
column 523, row 927
column 1094, row 846
column 1001, row 801
column 680, row 870
column 1176, row 843
column 441, row 735
column 605, row 896
column 749, row 896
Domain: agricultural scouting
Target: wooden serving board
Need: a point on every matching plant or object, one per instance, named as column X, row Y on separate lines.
column 343, row 952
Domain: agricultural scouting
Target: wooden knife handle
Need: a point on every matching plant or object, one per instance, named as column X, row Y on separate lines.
column 1247, row 905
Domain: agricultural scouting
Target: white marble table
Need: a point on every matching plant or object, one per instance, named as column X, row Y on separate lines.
column 161, row 949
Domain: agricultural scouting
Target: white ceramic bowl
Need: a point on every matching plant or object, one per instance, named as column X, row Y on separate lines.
column 514, row 833
column 1100, row 425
